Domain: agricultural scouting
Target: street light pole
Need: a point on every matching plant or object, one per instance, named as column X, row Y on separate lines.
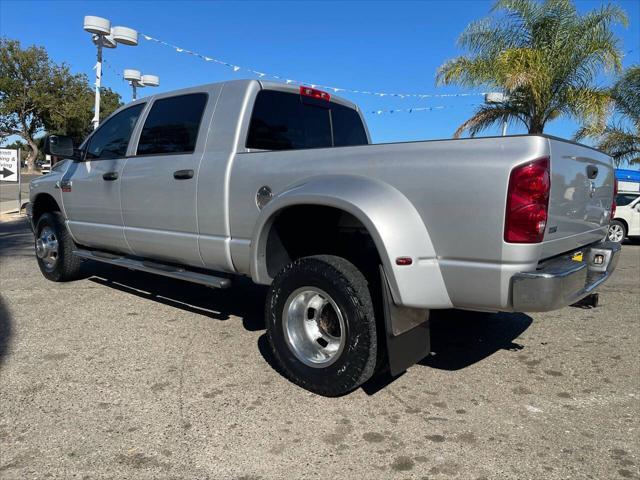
column 96, row 106
column 103, row 35
column 497, row 97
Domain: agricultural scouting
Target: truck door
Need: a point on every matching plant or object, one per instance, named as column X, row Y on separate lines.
column 91, row 188
column 159, row 180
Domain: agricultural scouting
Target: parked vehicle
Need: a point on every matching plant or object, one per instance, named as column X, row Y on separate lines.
column 626, row 221
column 357, row 242
column 45, row 165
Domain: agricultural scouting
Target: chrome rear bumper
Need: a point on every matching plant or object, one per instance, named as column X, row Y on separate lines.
column 563, row 281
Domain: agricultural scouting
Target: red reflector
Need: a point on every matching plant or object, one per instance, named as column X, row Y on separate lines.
column 404, row 261
column 313, row 93
column 527, row 202
column 615, row 194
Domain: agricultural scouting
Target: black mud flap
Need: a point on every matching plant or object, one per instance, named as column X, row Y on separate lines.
column 407, row 331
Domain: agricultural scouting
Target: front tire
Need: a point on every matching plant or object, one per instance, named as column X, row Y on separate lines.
column 617, row 231
column 321, row 324
column 54, row 249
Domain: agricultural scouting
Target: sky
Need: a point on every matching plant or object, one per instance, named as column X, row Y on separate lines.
column 373, row 46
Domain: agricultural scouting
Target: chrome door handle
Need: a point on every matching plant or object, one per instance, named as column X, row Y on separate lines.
column 110, row 176
column 183, row 174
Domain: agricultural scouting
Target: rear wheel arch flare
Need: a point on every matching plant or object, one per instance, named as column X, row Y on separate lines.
column 391, row 220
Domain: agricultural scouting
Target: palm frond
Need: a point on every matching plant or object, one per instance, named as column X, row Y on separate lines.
column 621, row 144
column 545, row 55
column 486, row 116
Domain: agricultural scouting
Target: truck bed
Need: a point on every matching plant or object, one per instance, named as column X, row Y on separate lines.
column 459, row 189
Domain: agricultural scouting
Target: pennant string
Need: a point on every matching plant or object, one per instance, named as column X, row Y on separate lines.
column 237, row 68
column 417, row 109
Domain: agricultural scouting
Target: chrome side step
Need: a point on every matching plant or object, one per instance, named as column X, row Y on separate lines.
column 155, row 267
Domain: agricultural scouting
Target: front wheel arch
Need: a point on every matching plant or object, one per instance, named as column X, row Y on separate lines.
column 43, row 203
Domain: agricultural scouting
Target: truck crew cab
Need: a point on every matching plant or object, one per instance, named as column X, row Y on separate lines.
column 357, row 242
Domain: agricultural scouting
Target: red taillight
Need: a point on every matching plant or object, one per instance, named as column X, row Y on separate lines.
column 615, row 194
column 528, row 202
column 313, row 93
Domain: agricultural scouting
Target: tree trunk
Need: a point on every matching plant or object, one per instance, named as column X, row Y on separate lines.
column 33, row 155
column 536, row 126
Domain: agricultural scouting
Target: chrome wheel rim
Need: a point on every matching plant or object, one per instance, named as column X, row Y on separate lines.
column 314, row 327
column 47, row 248
column 615, row 233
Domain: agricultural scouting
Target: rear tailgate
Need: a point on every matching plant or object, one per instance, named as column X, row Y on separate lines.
column 582, row 183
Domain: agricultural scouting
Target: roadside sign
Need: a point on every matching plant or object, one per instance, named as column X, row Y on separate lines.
column 9, row 166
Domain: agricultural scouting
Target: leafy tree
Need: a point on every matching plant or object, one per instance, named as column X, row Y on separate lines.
column 37, row 95
column 544, row 56
column 621, row 137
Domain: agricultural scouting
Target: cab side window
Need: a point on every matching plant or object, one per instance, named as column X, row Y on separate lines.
column 172, row 125
column 112, row 138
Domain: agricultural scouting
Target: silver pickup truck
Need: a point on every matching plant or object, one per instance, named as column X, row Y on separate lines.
column 357, row 242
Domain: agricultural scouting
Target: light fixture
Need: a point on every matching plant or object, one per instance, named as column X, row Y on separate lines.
column 137, row 80
column 497, row 97
column 104, row 36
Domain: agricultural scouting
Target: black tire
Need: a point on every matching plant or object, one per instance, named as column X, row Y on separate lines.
column 66, row 266
column 348, row 289
column 615, row 228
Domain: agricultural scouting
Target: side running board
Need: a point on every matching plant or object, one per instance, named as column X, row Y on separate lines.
column 153, row 267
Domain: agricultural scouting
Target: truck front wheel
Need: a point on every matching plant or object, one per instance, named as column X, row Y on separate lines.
column 321, row 325
column 54, row 247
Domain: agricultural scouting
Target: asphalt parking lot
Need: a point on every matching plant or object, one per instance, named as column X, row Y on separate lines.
column 126, row 375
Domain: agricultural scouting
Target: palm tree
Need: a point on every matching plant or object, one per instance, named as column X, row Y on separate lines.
column 543, row 56
column 621, row 137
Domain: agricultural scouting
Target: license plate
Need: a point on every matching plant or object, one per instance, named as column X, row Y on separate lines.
column 577, row 257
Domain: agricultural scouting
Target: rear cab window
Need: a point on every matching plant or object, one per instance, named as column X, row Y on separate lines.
column 283, row 121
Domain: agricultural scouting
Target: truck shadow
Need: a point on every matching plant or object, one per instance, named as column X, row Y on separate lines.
column 244, row 299
column 458, row 338
column 461, row 338
column 16, row 240
column 5, row 330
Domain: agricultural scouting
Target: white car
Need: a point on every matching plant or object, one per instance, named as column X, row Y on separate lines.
column 626, row 222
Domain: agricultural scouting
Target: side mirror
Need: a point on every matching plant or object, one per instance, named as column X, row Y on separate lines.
column 58, row 145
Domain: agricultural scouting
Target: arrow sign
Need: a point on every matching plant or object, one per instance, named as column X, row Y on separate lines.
column 8, row 165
